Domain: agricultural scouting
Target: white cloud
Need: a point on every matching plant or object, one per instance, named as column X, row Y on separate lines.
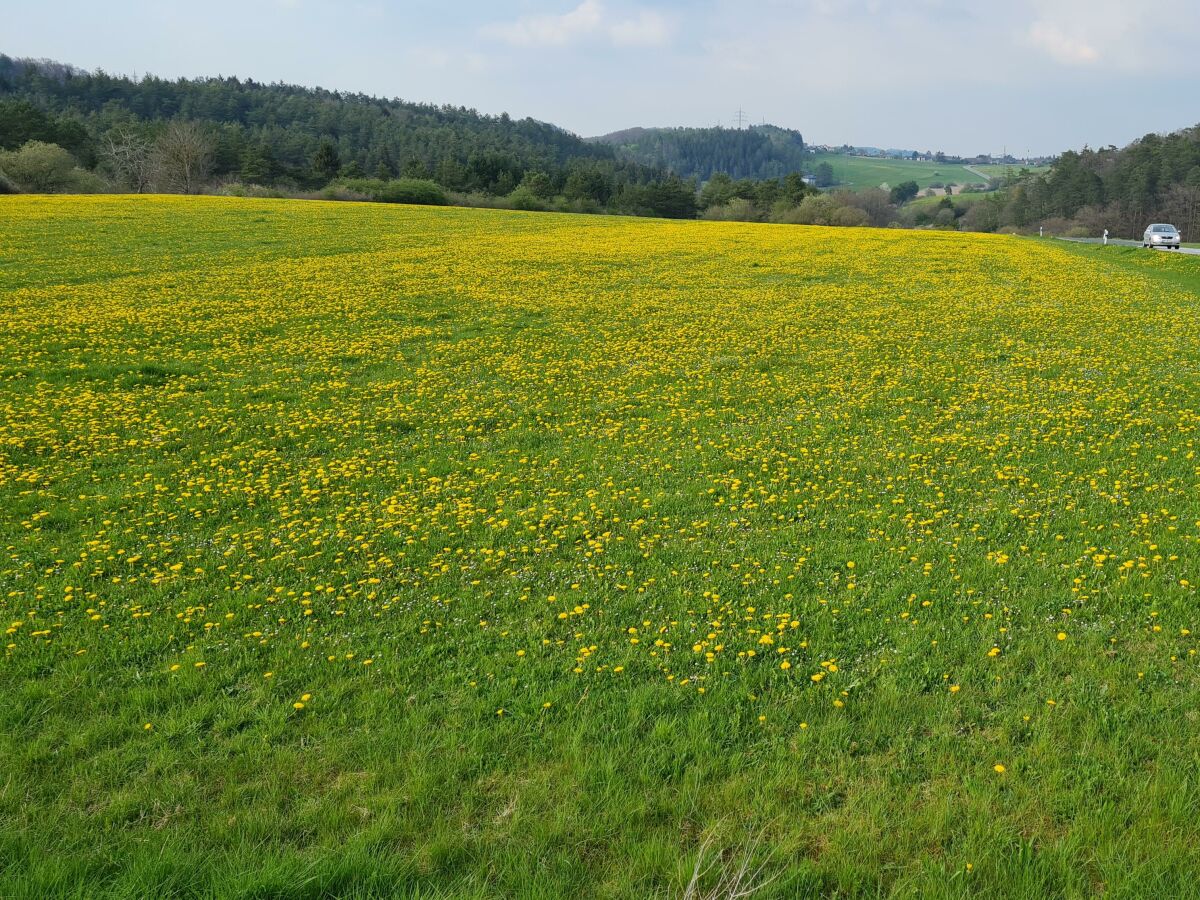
column 646, row 29
column 590, row 20
column 1062, row 48
column 533, row 31
column 1118, row 34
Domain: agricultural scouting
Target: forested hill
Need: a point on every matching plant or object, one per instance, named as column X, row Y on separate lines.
column 1156, row 178
column 760, row 151
column 265, row 132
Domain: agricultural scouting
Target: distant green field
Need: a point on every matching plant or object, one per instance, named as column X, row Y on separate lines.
column 966, row 199
column 861, row 172
column 998, row 171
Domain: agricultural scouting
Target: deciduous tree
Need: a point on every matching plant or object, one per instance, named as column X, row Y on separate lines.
column 183, row 157
column 130, row 156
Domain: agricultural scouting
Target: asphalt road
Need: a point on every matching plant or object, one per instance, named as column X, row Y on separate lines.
column 1188, row 250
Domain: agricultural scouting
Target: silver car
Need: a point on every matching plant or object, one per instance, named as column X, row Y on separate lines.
column 1161, row 236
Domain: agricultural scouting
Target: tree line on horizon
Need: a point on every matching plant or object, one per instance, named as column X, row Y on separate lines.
column 281, row 138
column 62, row 129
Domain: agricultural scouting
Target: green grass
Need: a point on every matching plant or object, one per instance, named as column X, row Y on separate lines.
column 1003, row 170
column 858, row 173
column 960, row 200
column 922, row 202
column 576, row 469
column 1179, row 270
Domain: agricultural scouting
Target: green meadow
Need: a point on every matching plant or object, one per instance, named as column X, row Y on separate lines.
column 860, row 172
column 371, row 551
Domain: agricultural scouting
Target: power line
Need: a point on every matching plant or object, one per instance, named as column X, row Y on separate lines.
column 740, row 115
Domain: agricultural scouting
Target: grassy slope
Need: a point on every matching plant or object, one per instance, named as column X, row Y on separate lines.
column 1000, row 171
column 1177, row 270
column 858, row 172
column 959, row 200
column 480, row 447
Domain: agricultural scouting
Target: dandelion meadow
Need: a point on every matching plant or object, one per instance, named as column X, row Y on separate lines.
column 367, row 551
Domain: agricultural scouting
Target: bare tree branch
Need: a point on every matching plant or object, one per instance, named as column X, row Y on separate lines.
column 130, row 156
column 183, row 157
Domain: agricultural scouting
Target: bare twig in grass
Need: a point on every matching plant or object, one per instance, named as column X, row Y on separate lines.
column 736, row 875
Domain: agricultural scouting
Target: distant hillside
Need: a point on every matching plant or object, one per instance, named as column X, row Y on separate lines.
column 269, row 132
column 761, row 151
column 858, row 173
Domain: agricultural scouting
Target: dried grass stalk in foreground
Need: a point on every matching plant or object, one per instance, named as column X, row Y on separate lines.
column 736, row 874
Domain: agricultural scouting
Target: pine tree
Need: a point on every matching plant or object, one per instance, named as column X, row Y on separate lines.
column 326, row 162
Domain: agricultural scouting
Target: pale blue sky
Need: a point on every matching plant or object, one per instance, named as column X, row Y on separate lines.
column 961, row 75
